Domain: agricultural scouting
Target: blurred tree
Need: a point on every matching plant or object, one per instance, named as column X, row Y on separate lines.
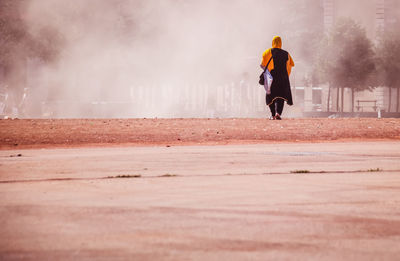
column 303, row 26
column 388, row 57
column 345, row 59
column 18, row 43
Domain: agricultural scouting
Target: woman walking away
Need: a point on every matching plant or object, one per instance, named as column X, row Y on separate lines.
column 280, row 65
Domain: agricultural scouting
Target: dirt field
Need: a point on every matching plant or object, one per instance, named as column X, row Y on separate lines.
column 270, row 192
column 104, row 132
column 229, row 202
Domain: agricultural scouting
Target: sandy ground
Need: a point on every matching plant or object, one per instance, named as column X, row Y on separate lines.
column 100, row 132
column 274, row 192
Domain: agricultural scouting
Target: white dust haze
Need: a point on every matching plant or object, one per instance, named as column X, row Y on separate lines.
column 158, row 58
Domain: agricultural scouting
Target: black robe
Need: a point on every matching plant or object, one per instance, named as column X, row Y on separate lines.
column 280, row 88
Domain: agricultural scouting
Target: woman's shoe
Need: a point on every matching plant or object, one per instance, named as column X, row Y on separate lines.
column 278, row 117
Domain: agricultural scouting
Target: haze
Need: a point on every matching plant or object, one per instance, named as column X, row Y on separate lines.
column 161, row 58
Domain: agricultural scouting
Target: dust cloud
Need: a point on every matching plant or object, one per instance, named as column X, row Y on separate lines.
column 158, row 58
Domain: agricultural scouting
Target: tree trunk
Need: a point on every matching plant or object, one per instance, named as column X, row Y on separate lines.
column 341, row 102
column 329, row 97
column 390, row 99
column 337, row 99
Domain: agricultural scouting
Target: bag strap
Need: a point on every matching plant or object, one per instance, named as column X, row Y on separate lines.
column 266, row 67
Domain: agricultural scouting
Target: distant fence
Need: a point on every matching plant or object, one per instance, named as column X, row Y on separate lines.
column 165, row 101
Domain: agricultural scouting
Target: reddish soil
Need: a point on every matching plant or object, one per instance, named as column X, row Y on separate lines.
column 105, row 132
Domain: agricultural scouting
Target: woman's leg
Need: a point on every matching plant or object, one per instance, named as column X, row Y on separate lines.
column 272, row 109
column 271, row 106
column 279, row 105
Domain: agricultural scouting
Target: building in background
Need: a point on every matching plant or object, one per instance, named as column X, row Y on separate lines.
column 376, row 16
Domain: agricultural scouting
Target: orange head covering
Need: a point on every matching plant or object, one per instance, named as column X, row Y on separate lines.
column 276, row 42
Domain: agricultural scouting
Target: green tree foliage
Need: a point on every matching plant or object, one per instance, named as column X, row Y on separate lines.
column 388, row 61
column 346, row 58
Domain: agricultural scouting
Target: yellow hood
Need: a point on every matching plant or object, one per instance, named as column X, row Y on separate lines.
column 276, row 42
